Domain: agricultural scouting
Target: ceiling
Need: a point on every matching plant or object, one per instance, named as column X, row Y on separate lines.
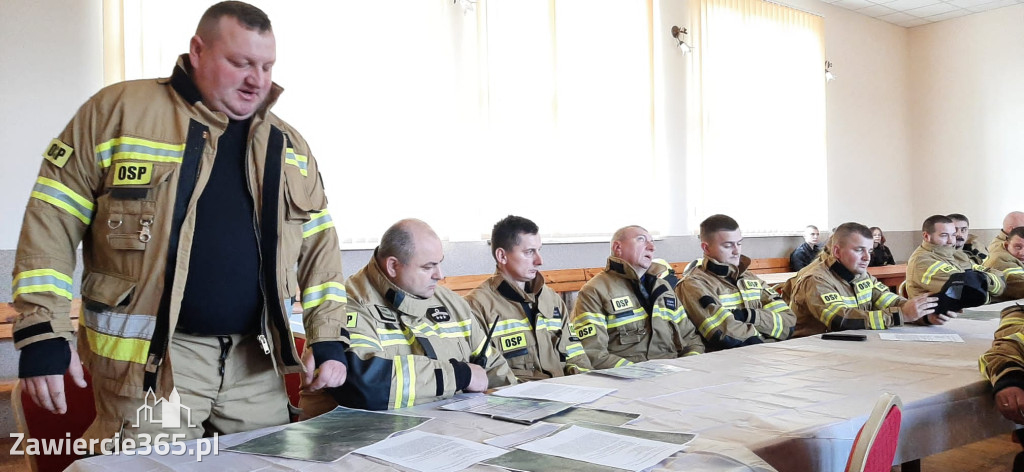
column 911, row 13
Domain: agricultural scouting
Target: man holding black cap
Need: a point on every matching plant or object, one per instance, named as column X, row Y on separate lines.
column 836, row 293
column 935, row 262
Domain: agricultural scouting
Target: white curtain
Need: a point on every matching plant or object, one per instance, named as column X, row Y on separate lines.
column 760, row 115
column 427, row 109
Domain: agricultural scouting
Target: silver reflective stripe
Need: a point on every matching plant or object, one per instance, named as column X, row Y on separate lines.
column 121, row 325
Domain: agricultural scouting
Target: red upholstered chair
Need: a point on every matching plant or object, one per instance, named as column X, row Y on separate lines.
column 293, row 382
column 875, row 446
column 36, row 422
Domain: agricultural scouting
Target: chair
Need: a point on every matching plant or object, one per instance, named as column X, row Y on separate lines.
column 902, row 289
column 293, row 382
column 35, row 422
column 874, row 448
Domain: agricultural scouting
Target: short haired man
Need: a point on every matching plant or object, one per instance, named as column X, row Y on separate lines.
column 412, row 341
column 194, row 204
column 964, row 240
column 627, row 313
column 836, row 293
column 533, row 331
column 1009, row 259
column 729, row 306
column 803, row 255
column 935, row 260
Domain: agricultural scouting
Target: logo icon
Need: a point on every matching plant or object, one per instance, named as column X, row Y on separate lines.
column 170, row 408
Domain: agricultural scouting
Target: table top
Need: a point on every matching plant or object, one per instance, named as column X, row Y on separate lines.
column 797, row 404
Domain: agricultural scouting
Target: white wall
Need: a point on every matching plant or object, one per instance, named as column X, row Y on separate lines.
column 967, row 115
column 50, row 63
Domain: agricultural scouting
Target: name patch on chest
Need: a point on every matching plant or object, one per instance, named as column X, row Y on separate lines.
column 385, row 313
column 133, row 173
column 513, row 342
column 622, row 303
column 439, row 314
column 863, row 285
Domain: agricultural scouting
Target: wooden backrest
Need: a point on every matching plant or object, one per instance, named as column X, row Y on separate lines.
column 769, row 265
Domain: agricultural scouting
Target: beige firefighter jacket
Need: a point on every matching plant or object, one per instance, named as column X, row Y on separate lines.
column 549, row 347
column 731, row 307
column 930, row 266
column 619, row 325
column 1003, row 363
column 405, row 350
column 119, row 180
column 1001, row 260
column 827, row 297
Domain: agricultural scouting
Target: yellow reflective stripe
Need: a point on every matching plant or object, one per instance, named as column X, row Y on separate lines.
column 932, row 270
column 318, row 294
column 830, row 312
column 997, row 284
column 714, row 321
column 733, row 298
column 876, row 320
column 586, row 318
column 363, row 340
column 1018, row 337
column 887, row 299
column 636, row 315
column 126, row 147
column 60, row 196
column 777, row 306
column 42, row 280
column 448, row 329
column 512, row 326
column 573, row 350
column 297, row 160
column 400, row 381
column 777, row 325
column 318, row 222
column 119, row 349
column 622, row 362
column 754, row 294
column 691, row 353
column 394, row 337
column 864, row 296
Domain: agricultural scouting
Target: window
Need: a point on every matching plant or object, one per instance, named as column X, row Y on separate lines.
column 760, row 116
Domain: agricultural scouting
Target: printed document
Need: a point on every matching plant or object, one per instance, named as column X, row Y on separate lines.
column 935, row 338
column 421, row 451
column 554, row 392
column 519, row 410
column 607, row 449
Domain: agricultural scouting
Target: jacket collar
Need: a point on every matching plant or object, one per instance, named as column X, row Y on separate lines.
column 181, row 82
column 725, row 270
column 839, row 269
column 510, row 290
column 397, row 298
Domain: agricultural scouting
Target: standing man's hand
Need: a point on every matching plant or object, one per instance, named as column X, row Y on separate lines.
column 1010, row 402
column 330, row 374
column 47, row 391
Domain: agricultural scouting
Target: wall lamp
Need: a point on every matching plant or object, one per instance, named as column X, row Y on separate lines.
column 829, row 76
column 680, row 35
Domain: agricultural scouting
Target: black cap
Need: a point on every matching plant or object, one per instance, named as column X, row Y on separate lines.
column 963, row 290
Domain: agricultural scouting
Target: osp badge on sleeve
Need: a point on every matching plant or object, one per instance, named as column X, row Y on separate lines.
column 58, row 153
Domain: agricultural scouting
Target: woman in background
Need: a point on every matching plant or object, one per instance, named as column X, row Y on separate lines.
column 880, row 255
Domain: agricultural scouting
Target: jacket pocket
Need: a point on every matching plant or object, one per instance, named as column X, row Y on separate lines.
column 300, row 203
column 119, row 342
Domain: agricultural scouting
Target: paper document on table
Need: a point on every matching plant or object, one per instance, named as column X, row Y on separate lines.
column 417, row 450
column 607, row 449
column 936, row 338
column 578, row 414
column 330, row 436
column 519, row 410
column 645, row 370
column 554, row 392
column 525, row 435
column 527, row 461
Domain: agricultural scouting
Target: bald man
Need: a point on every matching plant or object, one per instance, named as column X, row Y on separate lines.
column 412, row 341
column 998, row 257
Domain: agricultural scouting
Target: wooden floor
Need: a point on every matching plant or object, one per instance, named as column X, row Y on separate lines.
column 992, row 455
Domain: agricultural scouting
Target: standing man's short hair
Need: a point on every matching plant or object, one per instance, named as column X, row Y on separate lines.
column 249, row 16
column 931, row 221
column 505, row 233
column 716, row 223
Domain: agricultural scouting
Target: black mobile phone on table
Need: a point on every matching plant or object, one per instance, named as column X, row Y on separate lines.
column 844, row 337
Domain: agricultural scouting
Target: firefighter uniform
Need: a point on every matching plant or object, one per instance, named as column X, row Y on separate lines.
column 1002, row 261
column 621, row 319
column 930, row 266
column 826, row 296
column 973, row 253
column 997, row 242
column 533, row 331
column 123, row 178
column 407, row 350
column 731, row 307
column 1003, row 363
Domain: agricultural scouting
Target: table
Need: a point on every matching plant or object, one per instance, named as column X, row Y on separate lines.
column 797, row 404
